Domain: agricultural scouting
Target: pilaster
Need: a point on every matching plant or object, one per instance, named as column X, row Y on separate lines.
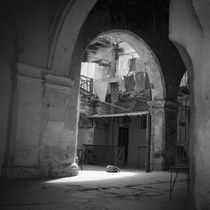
column 163, row 132
column 59, row 134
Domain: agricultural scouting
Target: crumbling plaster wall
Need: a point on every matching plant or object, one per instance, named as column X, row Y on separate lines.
column 86, row 125
column 101, row 132
column 190, row 31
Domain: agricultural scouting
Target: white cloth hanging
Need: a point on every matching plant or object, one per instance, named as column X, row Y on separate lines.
column 100, row 89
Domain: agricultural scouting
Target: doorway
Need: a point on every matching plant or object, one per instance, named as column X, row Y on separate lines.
column 123, row 141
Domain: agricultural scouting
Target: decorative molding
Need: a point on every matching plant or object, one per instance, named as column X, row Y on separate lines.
column 57, row 80
column 58, row 83
column 171, row 106
column 58, row 88
column 30, row 71
column 163, row 104
column 156, row 104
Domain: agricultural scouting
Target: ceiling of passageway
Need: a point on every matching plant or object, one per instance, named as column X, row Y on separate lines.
column 146, row 6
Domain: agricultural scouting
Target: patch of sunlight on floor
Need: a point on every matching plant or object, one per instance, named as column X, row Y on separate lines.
column 93, row 176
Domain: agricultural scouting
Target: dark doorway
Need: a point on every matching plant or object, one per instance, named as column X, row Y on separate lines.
column 123, row 141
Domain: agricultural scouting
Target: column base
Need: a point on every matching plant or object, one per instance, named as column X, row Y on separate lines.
column 158, row 164
column 74, row 169
column 39, row 172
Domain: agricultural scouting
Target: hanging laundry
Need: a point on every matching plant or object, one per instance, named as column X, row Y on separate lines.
column 147, row 81
column 114, row 92
column 121, row 84
column 98, row 72
column 106, row 73
column 129, row 82
column 123, row 65
column 88, row 69
column 100, row 89
column 141, row 81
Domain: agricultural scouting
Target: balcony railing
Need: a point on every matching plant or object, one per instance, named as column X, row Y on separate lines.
column 86, row 83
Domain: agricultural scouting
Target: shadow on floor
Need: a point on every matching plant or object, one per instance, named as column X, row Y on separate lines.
column 96, row 189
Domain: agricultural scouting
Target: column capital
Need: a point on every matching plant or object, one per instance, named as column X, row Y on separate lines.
column 31, row 71
column 168, row 105
column 58, row 83
column 50, row 81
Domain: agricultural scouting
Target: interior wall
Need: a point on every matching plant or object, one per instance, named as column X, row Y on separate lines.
column 85, row 136
column 101, row 132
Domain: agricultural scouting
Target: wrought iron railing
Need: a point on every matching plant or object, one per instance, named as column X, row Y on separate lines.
column 103, row 155
column 86, row 83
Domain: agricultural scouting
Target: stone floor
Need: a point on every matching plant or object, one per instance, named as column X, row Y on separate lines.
column 96, row 189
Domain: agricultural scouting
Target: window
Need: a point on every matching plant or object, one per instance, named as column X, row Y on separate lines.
column 143, row 122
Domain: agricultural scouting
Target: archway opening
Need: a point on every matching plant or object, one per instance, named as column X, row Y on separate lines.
column 119, row 76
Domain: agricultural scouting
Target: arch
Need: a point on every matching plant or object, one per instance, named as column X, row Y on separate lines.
column 66, row 33
column 156, row 79
column 72, row 40
column 154, row 70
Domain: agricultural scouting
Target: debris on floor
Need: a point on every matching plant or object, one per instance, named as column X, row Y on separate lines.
column 113, row 169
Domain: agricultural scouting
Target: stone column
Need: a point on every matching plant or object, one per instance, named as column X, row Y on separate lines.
column 43, row 127
column 163, row 126
column 58, row 140
column 171, row 112
column 157, row 134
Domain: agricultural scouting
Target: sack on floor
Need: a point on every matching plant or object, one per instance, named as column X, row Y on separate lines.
column 113, row 169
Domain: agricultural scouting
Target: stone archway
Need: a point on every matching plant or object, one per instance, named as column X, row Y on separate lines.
column 70, row 44
column 157, row 103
